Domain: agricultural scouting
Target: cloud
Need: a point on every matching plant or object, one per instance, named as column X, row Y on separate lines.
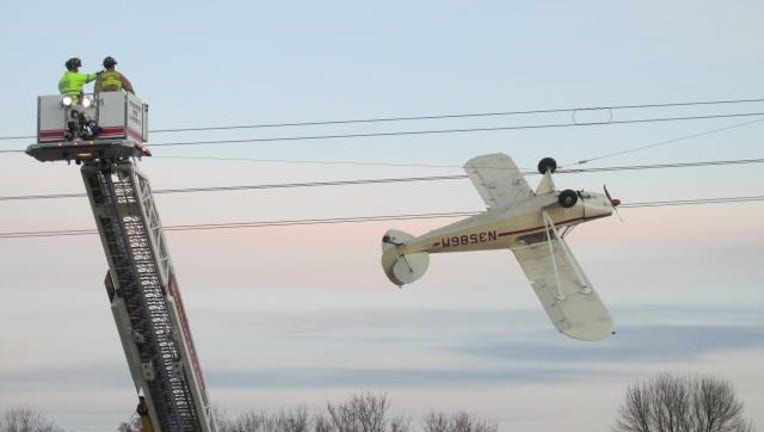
column 371, row 378
column 440, row 348
column 83, row 377
column 545, row 359
column 631, row 344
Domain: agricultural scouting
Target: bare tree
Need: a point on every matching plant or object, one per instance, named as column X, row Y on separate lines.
column 464, row 422
column 459, row 422
column 133, row 424
column 251, row 422
column 667, row 403
column 366, row 412
column 400, row 424
column 436, row 422
column 362, row 413
column 26, row 420
column 323, row 424
column 221, row 419
column 295, row 420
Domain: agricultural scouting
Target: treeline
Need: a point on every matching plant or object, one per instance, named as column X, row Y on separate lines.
column 365, row 412
column 664, row 403
column 26, row 420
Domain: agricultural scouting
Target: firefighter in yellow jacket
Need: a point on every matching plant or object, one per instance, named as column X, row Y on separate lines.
column 73, row 81
column 111, row 80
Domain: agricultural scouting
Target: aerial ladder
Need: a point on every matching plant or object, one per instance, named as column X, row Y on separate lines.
column 105, row 134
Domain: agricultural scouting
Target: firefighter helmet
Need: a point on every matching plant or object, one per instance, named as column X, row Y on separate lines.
column 109, row 62
column 73, row 63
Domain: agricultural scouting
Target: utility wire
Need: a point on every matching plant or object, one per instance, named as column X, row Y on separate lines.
column 248, row 187
column 669, row 141
column 670, row 203
column 358, row 219
column 661, row 166
column 453, row 116
column 581, row 162
column 388, row 180
column 450, row 131
column 433, row 117
column 307, row 161
column 572, row 123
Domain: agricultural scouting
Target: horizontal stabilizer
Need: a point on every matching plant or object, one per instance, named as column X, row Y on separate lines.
column 401, row 268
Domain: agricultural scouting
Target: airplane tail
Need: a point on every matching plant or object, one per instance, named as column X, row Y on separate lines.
column 402, row 268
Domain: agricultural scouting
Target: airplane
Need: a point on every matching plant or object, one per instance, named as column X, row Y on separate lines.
column 533, row 226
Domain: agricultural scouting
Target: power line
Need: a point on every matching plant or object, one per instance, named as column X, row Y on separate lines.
column 581, row 162
column 454, row 116
column 434, row 117
column 419, row 165
column 360, row 219
column 668, row 141
column 249, row 187
column 450, row 131
column 308, row 161
column 670, row 203
column 388, row 180
column 661, row 166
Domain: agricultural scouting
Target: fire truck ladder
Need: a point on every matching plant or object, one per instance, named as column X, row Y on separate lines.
column 155, row 331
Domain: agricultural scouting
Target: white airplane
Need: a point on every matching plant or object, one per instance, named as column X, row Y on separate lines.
column 529, row 224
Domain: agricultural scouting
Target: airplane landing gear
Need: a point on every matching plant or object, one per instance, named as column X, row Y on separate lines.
column 567, row 198
column 547, row 164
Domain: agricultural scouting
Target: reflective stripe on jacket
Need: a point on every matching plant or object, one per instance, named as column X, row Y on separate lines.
column 71, row 83
column 110, row 81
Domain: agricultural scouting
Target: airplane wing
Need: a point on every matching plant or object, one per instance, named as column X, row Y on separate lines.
column 575, row 309
column 497, row 179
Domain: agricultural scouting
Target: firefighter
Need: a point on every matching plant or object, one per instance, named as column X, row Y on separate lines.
column 73, row 81
column 111, row 80
column 143, row 411
column 79, row 123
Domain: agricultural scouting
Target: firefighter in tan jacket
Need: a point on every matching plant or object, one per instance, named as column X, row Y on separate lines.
column 111, row 80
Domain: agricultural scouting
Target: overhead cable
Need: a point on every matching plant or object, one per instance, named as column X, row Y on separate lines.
column 454, row 116
column 435, row 117
column 668, row 141
column 358, row 219
column 387, row 180
column 448, row 131
column 572, row 123
column 580, row 162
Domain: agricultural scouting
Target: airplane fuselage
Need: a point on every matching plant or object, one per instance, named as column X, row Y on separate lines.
column 500, row 228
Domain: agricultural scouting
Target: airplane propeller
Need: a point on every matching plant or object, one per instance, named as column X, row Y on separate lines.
column 614, row 202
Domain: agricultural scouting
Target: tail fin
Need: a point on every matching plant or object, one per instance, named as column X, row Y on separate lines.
column 401, row 268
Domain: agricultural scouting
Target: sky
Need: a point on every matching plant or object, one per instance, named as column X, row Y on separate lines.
column 283, row 316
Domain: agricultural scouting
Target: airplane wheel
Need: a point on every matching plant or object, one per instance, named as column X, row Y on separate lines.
column 567, row 198
column 547, row 164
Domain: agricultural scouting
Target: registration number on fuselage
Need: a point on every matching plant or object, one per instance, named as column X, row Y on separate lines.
column 468, row 239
